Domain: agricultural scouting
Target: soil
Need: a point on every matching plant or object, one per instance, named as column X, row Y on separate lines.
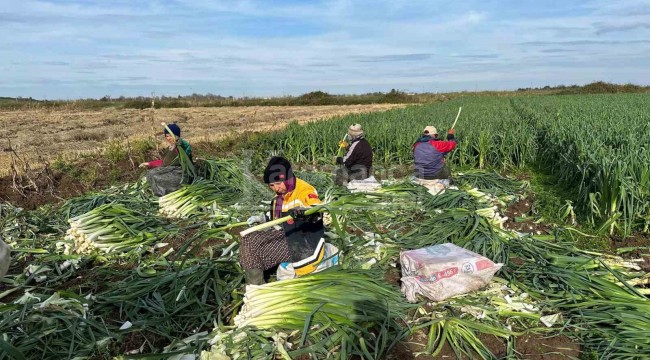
column 635, row 240
column 523, row 208
column 11, row 297
column 393, row 275
column 134, row 340
column 531, row 347
column 61, row 185
column 524, row 176
column 543, row 348
column 32, row 199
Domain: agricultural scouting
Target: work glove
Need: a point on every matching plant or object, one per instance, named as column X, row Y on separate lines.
column 339, row 160
column 144, row 165
column 256, row 219
column 451, row 131
column 343, row 144
column 298, row 213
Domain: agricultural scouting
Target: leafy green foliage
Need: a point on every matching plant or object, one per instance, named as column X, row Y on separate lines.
column 116, row 151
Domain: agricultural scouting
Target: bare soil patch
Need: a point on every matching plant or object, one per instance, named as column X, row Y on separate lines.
column 63, row 184
column 520, row 218
column 531, row 346
column 642, row 241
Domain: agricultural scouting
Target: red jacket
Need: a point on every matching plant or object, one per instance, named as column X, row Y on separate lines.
column 170, row 157
column 429, row 155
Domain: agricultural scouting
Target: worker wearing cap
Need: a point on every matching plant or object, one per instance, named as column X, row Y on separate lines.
column 299, row 244
column 429, row 155
column 357, row 162
column 170, row 155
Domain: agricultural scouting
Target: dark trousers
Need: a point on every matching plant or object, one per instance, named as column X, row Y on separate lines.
column 344, row 175
column 443, row 173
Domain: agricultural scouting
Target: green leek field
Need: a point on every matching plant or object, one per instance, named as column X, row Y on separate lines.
column 118, row 273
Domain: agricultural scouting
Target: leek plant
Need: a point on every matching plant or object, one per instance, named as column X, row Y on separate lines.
column 608, row 166
column 609, row 314
column 173, row 300
column 197, row 198
column 114, row 228
column 135, row 196
column 224, row 183
column 335, row 205
column 346, row 312
column 491, row 183
column 56, row 326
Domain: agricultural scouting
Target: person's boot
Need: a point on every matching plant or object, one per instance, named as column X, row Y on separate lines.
column 254, row 276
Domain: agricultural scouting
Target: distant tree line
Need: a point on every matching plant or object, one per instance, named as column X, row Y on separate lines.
column 312, row 98
column 211, row 100
column 598, row 87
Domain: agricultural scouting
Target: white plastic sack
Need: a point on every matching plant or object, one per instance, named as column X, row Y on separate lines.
column 366, row 185
column 436, row 186
column 442, row 271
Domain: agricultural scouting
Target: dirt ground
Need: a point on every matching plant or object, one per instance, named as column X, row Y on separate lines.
column 57, row 186
column 520, row 218
column 532, row 347
column 53, row 133
column 641, row 242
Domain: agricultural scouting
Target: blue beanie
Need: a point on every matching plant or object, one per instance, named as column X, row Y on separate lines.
column 174, row 128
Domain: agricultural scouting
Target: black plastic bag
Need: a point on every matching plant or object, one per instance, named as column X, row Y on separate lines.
column 165, row 180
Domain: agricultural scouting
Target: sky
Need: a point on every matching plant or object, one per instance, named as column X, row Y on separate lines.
column 82, row 49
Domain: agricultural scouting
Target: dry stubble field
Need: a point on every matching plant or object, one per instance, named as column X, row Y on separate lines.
column 55, row 133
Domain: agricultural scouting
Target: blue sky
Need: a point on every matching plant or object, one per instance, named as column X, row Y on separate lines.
column 79, row 49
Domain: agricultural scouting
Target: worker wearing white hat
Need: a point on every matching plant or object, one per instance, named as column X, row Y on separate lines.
column 429, row 155
column 357, row 162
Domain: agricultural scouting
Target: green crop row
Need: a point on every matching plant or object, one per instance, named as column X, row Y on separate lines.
column 595, row 143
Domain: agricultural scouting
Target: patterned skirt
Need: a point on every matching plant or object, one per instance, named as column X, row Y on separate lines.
column 263, row 250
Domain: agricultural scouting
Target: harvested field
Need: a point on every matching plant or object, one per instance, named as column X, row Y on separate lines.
column 50, row 134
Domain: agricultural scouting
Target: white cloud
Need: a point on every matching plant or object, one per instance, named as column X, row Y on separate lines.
column 339, row 44
column 472, row 18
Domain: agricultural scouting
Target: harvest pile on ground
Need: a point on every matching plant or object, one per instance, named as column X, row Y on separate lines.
column 166, row 283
